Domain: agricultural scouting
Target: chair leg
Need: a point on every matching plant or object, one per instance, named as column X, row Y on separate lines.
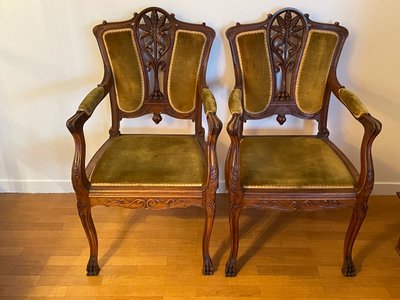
column 359, row 213
column 234, row 213
column 208, row 268
column 85, row 214
column 398, row 246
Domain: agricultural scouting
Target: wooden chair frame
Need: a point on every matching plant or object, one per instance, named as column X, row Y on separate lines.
column 156, row 103
column 283, row 103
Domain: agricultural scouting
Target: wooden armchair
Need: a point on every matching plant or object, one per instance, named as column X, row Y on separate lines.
column 286, row 65
column 153, row 64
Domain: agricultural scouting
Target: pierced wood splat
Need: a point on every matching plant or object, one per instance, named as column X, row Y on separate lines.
column 154, row 34
column 286, row 39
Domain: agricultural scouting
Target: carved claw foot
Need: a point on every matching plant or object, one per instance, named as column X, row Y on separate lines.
column 348, row 269
column 92, row 268
column 230, row 268
column 208, row 268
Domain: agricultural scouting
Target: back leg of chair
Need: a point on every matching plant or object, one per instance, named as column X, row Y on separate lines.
column 234, row 213
column 209, row 207
column 359, row 213
column 85, row 213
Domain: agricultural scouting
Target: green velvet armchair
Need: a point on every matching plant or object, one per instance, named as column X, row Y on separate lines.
column 286, row 65
column 154, row 64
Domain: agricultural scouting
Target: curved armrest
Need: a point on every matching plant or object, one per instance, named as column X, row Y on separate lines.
column 372, row 127
column 75, row 124
column 349, row 99
column 352, row 102
column 208, row 99
column 90, row 102
column 235, row 102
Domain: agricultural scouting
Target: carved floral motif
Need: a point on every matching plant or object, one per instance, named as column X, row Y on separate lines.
column 155, row 41
column 153, row 203
column 286, row 41
column 296, row 205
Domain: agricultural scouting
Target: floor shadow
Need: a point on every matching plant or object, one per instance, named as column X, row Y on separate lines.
column 275, row 224
column 392, row 233
column 131, row 221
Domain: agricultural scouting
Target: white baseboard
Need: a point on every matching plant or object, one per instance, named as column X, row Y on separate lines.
column 64, row 186
column 35, row 186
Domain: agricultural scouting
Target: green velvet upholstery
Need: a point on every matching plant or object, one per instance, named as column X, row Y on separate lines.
column 256, row 70
column 184, row 70
column 126, row 69
column 291, row 162
column 314, row 69
column 235, row 102
column 92, row 99
column 209, row 103
column 151, row 160
column 352, row 102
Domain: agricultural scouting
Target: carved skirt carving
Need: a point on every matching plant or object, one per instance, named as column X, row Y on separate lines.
column 297, row 205
column 148, row 203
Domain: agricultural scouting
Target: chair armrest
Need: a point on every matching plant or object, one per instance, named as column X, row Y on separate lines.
column 372, row 127
column 235, row 102
column 352, row 102
column 90, row 102
column 349, row 99
column 208, row 99
column 75, row 124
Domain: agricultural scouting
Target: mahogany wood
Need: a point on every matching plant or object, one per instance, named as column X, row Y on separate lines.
column 291, row 24
column 155, row 65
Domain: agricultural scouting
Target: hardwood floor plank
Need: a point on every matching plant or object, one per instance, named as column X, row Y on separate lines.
column 157, row 254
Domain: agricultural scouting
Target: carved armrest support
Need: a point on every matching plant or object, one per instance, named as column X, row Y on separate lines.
column 372, row 127
column 232, row 167
column 75, row 124
column 79, row 178
column 214, row 129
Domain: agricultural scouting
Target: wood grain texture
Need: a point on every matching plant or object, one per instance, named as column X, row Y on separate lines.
column 155, row 254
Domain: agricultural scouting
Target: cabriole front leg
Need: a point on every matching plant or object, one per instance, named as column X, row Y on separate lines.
column 234, row 213
column 85, row 214
column 359, row 213
column 208, row 268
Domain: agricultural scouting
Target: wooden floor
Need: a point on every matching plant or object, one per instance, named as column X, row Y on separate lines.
column 157, row 254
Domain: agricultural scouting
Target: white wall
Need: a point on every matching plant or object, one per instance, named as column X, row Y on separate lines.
column 49, row 60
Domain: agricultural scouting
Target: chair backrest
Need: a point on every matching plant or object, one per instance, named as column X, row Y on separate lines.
column 156, row 64
column 282, row 64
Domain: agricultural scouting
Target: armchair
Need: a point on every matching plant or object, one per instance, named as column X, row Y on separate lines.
column 286, row 65
column 153, row 64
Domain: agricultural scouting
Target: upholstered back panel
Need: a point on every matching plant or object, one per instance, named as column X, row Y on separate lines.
column 184, row 69
column 154, row 64
column 314, row 70
column 256, row 70
column 126, row 70
column 282, row 64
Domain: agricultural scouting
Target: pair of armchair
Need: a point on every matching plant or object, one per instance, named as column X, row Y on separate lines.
column 285, row 65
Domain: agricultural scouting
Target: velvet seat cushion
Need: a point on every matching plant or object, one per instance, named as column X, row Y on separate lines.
column 175, row 160
column 291, row 162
